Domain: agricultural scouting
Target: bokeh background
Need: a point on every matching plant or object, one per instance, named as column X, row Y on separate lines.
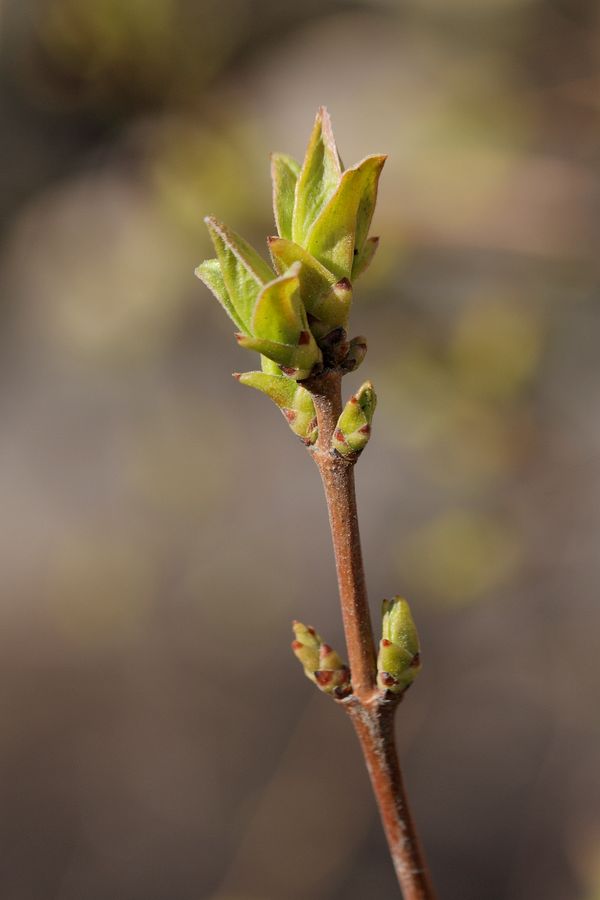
column 161, row 526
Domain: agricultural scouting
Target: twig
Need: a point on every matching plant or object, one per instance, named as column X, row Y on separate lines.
column 371, row 710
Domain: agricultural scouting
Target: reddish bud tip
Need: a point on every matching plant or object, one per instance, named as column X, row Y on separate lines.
column 290, row 415
column 387, row 679
column 236, row 375
column 288, row 370
column 238, row 336
column 323, row 678
column 311, row 630
column 341, row 692
column 272, row 238
column 297, row 645
column 353, row 399
column 303, row 338
column 339, row 436
column 326, row 649
column 416, row 661
column 344, row 284
column 386, row 643
column 366, row 429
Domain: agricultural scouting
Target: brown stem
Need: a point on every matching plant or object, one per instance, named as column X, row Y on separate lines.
column 370, row 710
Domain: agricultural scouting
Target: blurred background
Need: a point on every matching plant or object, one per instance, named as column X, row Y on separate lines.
column 160, row 524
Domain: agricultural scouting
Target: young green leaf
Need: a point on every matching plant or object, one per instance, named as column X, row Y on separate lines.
column 315, row 279
column 294, row 401
column 332, row 238
column 318, row 178
column 244, row 272
column 297, row 360
column 279, row 314
column 284, row 174
column 209, row 272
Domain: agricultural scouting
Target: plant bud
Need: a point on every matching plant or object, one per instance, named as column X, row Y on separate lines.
column 399, row 660
column 356, row 353
column 320, row 662
column 354, row 425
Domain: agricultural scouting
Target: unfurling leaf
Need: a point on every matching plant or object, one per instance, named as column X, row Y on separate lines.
column 244, row 272
column 318, row 178
column 340, row 228
column 284, row 174
column 293, row 400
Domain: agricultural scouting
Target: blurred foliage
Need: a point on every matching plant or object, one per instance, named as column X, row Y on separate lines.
column 460, row 556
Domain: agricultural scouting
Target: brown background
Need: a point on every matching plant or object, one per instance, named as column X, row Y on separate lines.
column 161, row 526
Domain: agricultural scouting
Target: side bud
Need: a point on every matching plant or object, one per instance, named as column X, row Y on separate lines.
column 320, row 662
column 399, row 659
column 353, row 428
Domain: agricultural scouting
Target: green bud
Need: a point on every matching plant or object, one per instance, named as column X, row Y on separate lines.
column 294, row 401
column 399, row 659
column 398, row 625
column 320, row 662
column 353, row 428
column 284, row 174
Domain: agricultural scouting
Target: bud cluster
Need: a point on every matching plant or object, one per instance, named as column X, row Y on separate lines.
column 295, row 312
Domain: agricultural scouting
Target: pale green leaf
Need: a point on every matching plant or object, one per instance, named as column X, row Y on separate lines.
column 318, row 178
column 244, row 271
column 315, row 279
column 209, row 272
column 284, row 174
column 332, row 237
column 278, row 313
